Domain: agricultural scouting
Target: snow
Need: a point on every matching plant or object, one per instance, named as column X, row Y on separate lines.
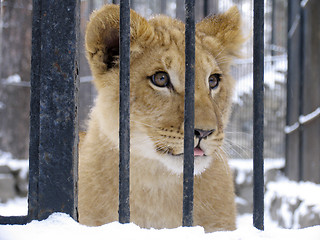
column 6, row 159
column 61, row 226
column 304, row 3
column 309, row 117
column 245, row 166
column 292, row 128
column 13, row 79
column 302, row 120
column 302, row 196
column 14, row 207
column 305, row 191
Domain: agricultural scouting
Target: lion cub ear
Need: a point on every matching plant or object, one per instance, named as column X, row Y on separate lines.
column 226, row 28
column 102, row 37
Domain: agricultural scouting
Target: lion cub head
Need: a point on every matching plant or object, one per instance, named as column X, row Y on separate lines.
column 157, row 78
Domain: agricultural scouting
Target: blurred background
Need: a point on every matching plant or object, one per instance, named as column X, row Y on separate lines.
column 292, row 84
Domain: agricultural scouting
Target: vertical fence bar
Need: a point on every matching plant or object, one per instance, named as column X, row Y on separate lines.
column 188, row 169
column 205, row 8
column 273, row 27
column 301, row 92
column 293, row 80
column 58, row 134
column 34, row 111
column 289, row 84
column 258, row 114
column 124, row 127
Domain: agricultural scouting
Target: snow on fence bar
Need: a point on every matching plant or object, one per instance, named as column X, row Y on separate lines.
column 54, row 127
column 303, row 119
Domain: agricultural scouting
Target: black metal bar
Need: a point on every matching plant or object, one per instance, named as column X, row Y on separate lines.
column 124, row 116
column 293, row 80
column 14, row 220
column 58, row 145
column 163, row 7
column 258, row 114
column 132, row 4
column 188, row 170
column 289, row 82
column 205, row 8
column 273, row 27
column 301, row 92
column 34, row 112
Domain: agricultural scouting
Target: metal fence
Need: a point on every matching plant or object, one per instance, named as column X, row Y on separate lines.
column 303, row 122
column 54, row 102
column 239, row 142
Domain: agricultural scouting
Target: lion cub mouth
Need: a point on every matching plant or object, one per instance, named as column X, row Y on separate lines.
column 174, row 162
column 198, row 152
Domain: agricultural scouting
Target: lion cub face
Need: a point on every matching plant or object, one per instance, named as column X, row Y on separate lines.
column 157, row 79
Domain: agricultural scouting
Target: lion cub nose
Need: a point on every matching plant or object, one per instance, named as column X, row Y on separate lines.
column 199, row 133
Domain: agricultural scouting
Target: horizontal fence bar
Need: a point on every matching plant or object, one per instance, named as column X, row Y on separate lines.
column 124, row 114
column 267, row 59
column 258, row 114
column 14, row 220
column 83, row 79
column 303, row 119
column 188, row 169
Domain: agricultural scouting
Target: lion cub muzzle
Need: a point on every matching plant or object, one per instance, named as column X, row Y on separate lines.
column 201, row 134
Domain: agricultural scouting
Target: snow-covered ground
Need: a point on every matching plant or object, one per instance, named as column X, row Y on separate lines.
column 61, row 226
column 294, row 204
column 14, row 207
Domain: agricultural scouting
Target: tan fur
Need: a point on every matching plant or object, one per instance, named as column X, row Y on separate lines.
column 157, row 122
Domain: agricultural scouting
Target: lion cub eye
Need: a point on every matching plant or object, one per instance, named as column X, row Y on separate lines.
column 214, row 80
column 160, row 79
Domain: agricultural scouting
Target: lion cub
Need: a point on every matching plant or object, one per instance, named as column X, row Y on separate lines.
column 157, row 108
